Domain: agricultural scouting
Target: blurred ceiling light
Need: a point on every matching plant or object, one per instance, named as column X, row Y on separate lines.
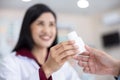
column 26, row 0
column 83, row 3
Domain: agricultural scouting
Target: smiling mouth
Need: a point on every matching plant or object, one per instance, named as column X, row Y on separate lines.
column 45, row 38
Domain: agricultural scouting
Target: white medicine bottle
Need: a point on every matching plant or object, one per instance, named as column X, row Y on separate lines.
column 78, row 41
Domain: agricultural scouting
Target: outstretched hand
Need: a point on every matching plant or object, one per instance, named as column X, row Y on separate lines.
column 98, row 62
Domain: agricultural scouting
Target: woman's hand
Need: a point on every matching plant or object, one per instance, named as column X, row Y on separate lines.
column 58, row 55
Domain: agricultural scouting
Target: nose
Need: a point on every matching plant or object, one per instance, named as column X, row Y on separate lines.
column 46, row 29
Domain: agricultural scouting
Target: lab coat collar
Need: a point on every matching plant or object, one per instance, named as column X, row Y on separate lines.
column 27, row 53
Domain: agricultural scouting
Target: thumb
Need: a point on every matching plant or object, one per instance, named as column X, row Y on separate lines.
column 89, row 49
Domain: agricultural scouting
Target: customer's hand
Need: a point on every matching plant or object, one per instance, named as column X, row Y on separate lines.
column 59, row 54
column 98, row 62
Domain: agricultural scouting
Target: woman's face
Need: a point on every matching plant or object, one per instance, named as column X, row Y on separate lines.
column 43, row 30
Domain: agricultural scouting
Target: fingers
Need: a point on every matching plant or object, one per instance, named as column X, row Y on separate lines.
column 86, row 67
column 86, row 70
column 64, row 43
column 83, row 64
column 87, row 64
column 68, row 53
column 92, row 64
column 87, row 48
column 65, row 48
column 85, row 53
column 82, row 58
column 67, row 58
column 87, row 60
column 90, row 49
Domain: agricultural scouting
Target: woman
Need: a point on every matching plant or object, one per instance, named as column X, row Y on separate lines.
column 37, row 57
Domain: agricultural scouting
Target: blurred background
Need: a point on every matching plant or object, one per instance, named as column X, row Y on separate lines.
column 96, row 21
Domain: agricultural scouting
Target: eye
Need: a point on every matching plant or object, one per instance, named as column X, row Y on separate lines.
column 52, row 24
column 41, row 23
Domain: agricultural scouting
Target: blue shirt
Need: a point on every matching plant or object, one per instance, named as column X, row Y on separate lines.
column 119, row 78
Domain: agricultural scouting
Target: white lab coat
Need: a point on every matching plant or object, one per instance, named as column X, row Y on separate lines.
column 14, row 67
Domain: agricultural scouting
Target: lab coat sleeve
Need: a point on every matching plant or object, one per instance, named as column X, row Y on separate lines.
column 9, row 69
column 72, row 74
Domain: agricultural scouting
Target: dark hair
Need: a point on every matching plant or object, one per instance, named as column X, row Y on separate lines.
column 25, row 38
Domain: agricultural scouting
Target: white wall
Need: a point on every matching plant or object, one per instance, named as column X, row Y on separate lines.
column 10, row 24
column 100, row 28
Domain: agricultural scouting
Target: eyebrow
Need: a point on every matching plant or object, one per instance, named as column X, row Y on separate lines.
column 49, row 21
